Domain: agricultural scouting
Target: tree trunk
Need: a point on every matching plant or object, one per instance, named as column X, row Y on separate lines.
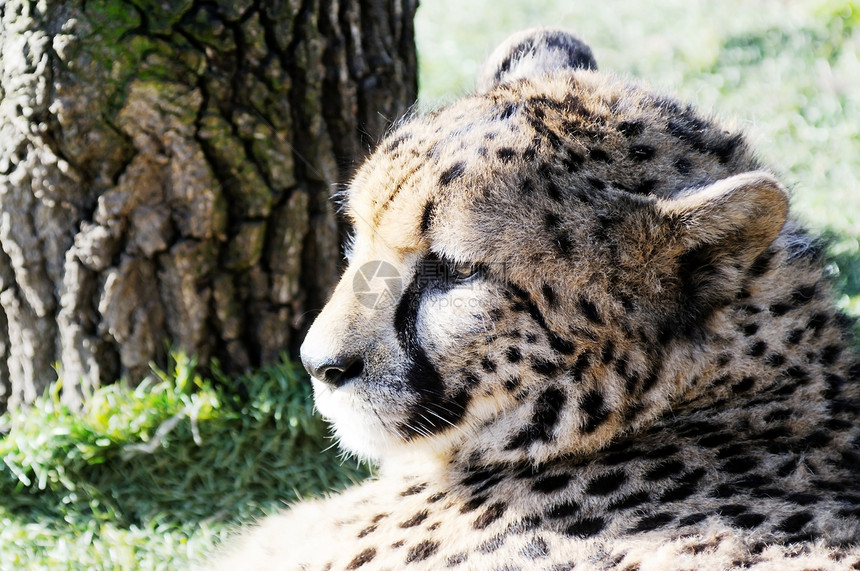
column 166, row 170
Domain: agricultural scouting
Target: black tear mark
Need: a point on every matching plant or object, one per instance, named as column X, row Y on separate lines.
column 435, row 411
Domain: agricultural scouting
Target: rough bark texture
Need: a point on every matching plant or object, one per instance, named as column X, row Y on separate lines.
column 166, row 171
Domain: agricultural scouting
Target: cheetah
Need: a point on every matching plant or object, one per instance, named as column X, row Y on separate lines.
column 601, row 343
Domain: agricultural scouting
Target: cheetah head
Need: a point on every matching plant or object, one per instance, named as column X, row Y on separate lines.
column 535, row 269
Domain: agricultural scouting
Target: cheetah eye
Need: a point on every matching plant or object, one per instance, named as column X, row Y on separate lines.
column 463, row 271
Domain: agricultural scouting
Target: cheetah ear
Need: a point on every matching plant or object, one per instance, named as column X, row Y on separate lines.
column 534, row 52
column 718, row 233
column 737, row 217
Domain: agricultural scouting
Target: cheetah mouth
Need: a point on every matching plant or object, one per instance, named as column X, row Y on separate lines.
column 357, row 425
column 369, row 417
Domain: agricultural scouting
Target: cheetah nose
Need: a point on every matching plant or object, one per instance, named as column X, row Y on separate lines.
column 335, row 372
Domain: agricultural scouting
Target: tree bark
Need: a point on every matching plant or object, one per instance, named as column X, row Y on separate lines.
column 166, row 171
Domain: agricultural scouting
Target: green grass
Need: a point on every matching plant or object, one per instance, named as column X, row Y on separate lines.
column 151, row 477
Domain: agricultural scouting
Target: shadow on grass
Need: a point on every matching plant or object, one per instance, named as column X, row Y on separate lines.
column 186, row 483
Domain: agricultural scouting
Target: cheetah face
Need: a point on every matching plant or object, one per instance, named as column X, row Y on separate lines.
column 442, row 331
column 526, row 261
column 380, row 354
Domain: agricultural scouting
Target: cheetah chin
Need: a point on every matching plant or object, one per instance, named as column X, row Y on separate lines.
column 578, row 330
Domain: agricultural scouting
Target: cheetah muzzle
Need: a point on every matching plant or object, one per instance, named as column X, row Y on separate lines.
column 596, row 340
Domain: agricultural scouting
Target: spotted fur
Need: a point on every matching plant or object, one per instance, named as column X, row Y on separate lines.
column 609, row 346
